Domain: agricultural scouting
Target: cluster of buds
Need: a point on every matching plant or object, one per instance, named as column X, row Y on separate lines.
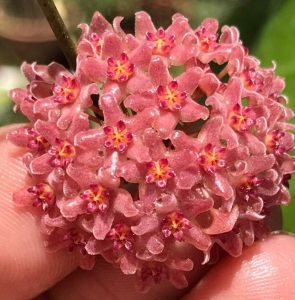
column 162, row 161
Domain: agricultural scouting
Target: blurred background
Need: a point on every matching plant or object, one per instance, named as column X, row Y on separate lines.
column 267, row 28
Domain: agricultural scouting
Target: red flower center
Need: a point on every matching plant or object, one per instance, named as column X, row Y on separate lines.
column 97, row 196
column 118, row 137
column 240, row 118
column 273, row 142
column 207, row 41
column 212, row 158
column 162, row 43
column 121, row 69
column 159, row 172
column 122, row 236
column 63, row 152
column 44, row 195
column 174, row 224
column 67, row 91
column 170, row 97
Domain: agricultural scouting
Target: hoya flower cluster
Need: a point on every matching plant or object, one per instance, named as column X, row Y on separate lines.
column 195, row 158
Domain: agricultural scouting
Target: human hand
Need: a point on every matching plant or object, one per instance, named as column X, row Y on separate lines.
column 264, row 271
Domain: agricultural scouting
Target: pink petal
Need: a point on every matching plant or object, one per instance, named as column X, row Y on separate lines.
column 181, row 53
column 48, row 130
column 233, row 92
column 165, row 124
column 102, row 225
column 92, row 138
column 166, row 204
column 153, row 141
column 94, row 69
column 155, row 245
column 179, row 27
column 185, row 265
column 139, row 83
column 70, row 187
column 79, row 123
column 44, row 105
column 143, row 24
column 143, row 119
column 211, row 25
column 192, row 111
column 232, row 244
column 99, row 24
column 187, row 178
column 219, row 185
column 259, row 163
column 128, row 264
column 41, row 89
column 111, row 110
column 158, row 72
column 198, row 238
column 83, row 175
column 138, row 151
column 95, row 247
column 123, row 203
column 147, row 224
column 107, row 177
column 180, row 140
column 209, row 83
column 222, row 221
column 130, row 171
column 71, row 208
column 141, row 55
column 117, row 26
column 288, row 164
column 256, row 147
column 230, row 136
column 210, row 131
column 229, row 35
column 41, row 165
column 189, row 80
column 112, row 46
column 139, row 102
column 58, row 221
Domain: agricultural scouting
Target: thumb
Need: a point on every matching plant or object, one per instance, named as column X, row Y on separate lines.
column 26, row 268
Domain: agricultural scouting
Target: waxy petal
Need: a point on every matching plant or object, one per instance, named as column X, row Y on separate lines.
column 123, row 203
column 143, row 24
column 102, row 225
column 198, row 238
column 147, row 224
column 94, row 69
column 192, row 111
column 158, row 72
column 221, row 221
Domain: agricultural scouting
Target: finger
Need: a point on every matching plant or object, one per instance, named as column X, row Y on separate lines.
column 109, row 283
column 26, row 268
column 264, row 271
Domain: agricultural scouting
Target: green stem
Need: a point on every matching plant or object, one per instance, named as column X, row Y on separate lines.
column 59, row 29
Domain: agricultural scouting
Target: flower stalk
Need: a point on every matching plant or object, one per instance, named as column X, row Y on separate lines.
column 59, row 29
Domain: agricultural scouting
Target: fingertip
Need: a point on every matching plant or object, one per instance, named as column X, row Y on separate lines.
column 263, row 271
column 26, row 268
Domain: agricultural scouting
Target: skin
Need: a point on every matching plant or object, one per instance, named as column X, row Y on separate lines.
column 263, row 271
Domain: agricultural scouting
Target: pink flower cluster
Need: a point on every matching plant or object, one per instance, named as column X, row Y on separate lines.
column 199, row 158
